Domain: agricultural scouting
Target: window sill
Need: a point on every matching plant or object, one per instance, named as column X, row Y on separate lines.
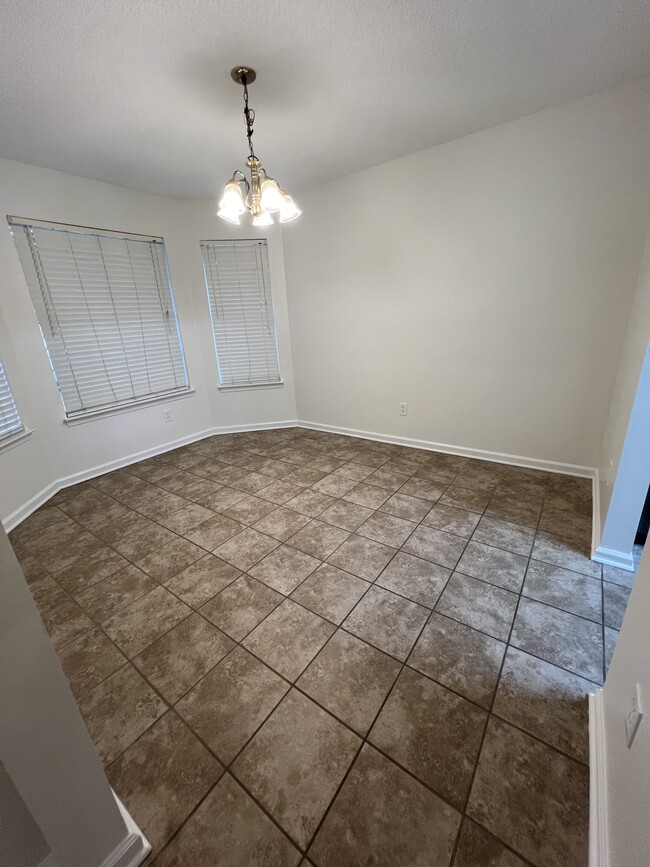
column 252, row 387
column 15, row 439
column 97, row 414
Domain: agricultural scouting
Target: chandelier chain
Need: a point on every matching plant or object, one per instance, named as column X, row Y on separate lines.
column 249, row 114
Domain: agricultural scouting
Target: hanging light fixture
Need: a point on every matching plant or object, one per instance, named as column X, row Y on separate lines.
column 263, row 197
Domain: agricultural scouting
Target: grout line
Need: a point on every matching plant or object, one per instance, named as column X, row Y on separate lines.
column 404, row 664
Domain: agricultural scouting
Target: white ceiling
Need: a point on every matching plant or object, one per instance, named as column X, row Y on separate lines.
column 138, row 92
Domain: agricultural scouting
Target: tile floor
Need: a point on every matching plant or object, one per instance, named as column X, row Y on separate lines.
column 292, row 647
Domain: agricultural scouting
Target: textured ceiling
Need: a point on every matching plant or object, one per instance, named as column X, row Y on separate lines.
column 138, row 92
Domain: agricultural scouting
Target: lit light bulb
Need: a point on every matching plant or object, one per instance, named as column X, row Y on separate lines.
column 232, row 200
column 288, row 210
column 271, row 200
column 263, row 219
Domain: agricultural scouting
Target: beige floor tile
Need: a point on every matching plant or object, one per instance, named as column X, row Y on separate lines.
column 502, row 568
column 289, row 638
column 119, row 710
column 202, row 580
column 419, row 580
column 571, row 591
column 230, row 703
column 387, row 621
column 229, row 828
column 281, row 523
column 351, row 679
column 559, row 638
column 478, row 847
column 459, row 657
column 330, row 592
column 179, row 658
column 88, row 660
column 531, row 797
column 441, row 548
column 162, row 777
column 295, row 763
column 459, row 522
column 545, row 701
column 440, row 743
column 241, row 606
column 382, row 816
column 362, row 557
column 478, row 604
column 284, row 568
column 139, row 624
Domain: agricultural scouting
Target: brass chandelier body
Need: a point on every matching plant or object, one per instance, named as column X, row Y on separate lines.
column 262, row 197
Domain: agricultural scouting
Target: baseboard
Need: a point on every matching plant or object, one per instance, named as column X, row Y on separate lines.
column 609, row 557
column 598, row 828
column 462, row 451
column 39, row 499
column 595, row 514
column 133, row 849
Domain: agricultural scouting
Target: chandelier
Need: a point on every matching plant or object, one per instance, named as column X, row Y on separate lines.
column 263, row 197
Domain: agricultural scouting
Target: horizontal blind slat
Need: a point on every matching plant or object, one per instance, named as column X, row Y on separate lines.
column 238, row 284
column 106, row 310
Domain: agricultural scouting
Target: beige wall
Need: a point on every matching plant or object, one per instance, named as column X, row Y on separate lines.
column 56, row 450
column 487, row 282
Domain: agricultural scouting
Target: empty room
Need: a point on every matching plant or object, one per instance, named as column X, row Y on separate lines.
column 324, row 434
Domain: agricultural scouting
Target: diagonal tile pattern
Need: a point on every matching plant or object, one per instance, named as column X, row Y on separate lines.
column 298, row 647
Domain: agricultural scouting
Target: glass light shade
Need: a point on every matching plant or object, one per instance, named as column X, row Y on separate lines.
column 229, row 216
column 271, row 200
column 232, row 199
column 263, row 219
column 288, row 210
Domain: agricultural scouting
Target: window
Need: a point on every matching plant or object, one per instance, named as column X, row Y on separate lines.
column 106, row 311
column 10, row 422
column 241, row 306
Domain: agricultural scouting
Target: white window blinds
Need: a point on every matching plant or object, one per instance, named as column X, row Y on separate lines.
column 10, row 422
column 241, row 306
column 106, row 310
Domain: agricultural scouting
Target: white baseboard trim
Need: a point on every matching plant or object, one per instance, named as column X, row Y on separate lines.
column 598, row 827
column 133, row 849
column 462, row 451
column 39, row 499
column 595, row 514
column 609, row 557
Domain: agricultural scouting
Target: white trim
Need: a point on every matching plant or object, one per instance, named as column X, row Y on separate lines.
column 620, row 559
column 598, row 828
column 35, row 502
column 595, row 514
column 463, row 451
column 116, row 409
column 9, row 442
column 133, row 849
column 254, row 386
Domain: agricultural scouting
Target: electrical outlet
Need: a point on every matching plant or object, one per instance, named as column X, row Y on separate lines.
column 634, row 716
column 403, row 409
column 167, row 414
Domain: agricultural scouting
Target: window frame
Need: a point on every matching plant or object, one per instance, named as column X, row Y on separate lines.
column 17, row 434
column 241, row 386
column 76, row 416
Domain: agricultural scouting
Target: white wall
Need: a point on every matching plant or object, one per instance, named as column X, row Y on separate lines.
column 628, row 771
column 624, row 466
column 21, row 841
column 44, row 746
column 487, row 282
column 56, row 450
